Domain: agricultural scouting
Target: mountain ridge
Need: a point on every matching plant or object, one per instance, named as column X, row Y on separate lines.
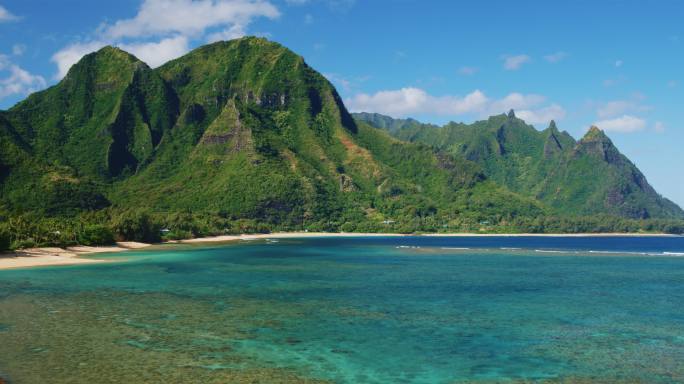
column 242, row 131
column 509, row 150
column 235, row 136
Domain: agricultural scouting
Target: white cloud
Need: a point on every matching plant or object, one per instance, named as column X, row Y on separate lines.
column 164, row 29
column 542, row 115
column 16, row 81
column 413, row 101
column 556, row 57
column 6, row 15
column 513, row 63
column 621, row 107
column 396, row 103
column 473, row 101
column 618, row 63
column 189, row 17
column 156, row 54
column 234, row 32
column 614, row 108
column 468, row 71
column 622, row 124
column 622, row 115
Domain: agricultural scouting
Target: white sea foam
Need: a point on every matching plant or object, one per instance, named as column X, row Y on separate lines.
column 638, row 253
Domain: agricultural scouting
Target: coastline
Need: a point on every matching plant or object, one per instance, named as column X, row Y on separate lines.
column 289, row 235
column 286, row 235
column 607, row 234
column 53, row 256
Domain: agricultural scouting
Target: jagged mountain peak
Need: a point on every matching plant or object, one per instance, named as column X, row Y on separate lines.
column 588, row 176
column 552, row 126
column 596, row 143
column 594, row 133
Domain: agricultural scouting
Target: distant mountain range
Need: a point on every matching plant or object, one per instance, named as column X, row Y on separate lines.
column 246, row 130
column 584, row 177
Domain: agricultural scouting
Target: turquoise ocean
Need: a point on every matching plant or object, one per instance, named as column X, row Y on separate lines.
column 354, row 310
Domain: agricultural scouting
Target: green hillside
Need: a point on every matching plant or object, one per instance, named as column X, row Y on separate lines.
column 234, row 136
column 571, row 178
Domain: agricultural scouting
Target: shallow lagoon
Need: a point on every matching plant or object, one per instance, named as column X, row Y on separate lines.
column 355, row 310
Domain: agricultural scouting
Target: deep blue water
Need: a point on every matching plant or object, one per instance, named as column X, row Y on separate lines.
column 357, row 310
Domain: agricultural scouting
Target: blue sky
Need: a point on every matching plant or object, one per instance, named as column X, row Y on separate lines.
column 619, row 64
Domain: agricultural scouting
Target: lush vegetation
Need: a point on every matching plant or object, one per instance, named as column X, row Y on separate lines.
column 106, row 227
column 571, row 178
column 238, row 137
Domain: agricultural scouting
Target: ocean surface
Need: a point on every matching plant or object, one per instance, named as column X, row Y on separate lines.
column 354, row 310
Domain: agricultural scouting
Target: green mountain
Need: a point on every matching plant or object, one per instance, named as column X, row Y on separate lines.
column 585, row 177
column 234, row 132
column 243, row 136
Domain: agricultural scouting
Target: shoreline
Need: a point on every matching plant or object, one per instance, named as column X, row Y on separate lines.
column 285, row 235
column 607, row 234
column 290, row 235
column 54, row 256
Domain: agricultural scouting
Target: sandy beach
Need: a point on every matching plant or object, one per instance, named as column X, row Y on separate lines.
column 285, row 235
column 52, row 256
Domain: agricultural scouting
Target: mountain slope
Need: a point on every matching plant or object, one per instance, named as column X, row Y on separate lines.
column 109, row 102
column 238, row 130
column 98, row 124
column 584, row 177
